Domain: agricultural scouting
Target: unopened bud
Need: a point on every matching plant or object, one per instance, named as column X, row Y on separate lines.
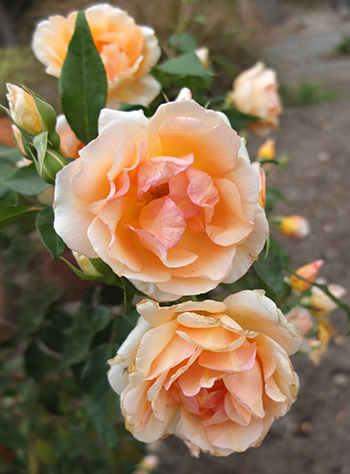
column 25, row 111
column 51, row 164
column 294, row 226
column 267, row 150
column 202, row 54
column 308, row 272
column 184, row 94
column 85, row 264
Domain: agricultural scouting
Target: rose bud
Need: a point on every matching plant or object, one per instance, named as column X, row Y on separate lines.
column 309, row 272
column 294, row 226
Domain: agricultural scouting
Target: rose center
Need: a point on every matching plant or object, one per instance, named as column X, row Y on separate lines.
column 156, row 192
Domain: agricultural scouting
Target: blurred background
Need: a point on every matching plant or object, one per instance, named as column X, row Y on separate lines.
column 307, row 42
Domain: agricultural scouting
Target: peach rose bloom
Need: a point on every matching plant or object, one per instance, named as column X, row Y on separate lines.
column 169, row 202
column 215, row 374
column 70, row 144
column 255, row 93
column 128, row 51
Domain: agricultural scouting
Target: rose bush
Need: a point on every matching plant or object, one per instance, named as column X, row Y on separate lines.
column 169, row 202
column 255, row 93
column 215, row 374
column 128, row 51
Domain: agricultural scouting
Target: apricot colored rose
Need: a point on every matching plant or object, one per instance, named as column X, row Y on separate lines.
column 255, row 93
column 128, row 51
column 169, row 202
column 215, row 374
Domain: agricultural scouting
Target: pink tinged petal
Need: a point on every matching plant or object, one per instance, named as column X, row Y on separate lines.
column 163, row 219
column 172, row 258
column 159, row 170
column 190, row 404
column 235, row 411
column 255, row 312
column 178, row 193
column 214, row 339
column 155, row 429
column 237, row 360
column 235, row 438
column 202, row 190
column 218, row 417
column 150, row 242
column 72, row 216
column 249, row 250
column 247, row 388
column 175, row 352
column 197, row 377
column 174, row 373
column 228, row 225
column 193, row 432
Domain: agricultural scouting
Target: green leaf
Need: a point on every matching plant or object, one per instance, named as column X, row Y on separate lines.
column 227, row 66
column 45, row 451
column 52, row 241
column 125, row 323
column 10, row 214
column 89, row 321
column 108, row 276
column 186, row 65
column 9, row 200
column 26, row 181
column 272, row 196
column 185, row 42
column 238, row 120
column 9, row 435
column 129, row 292
column 35, row 362
column 83, row 83
column 269, row 270
column 99, row 392
column 10, row 154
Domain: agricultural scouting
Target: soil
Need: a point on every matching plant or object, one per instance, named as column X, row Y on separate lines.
column 314, row 437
